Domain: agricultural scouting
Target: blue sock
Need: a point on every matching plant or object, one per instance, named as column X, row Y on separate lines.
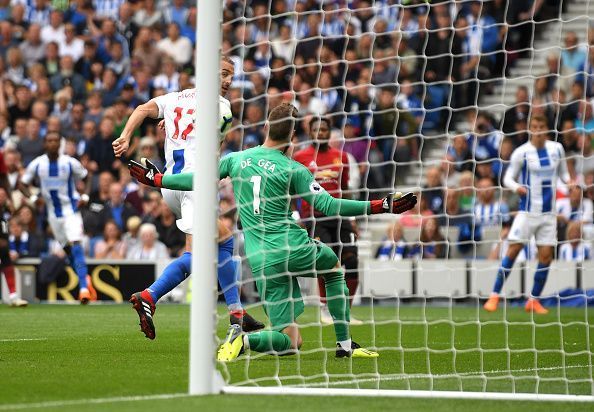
column 503, row 273
column 227, row 274
column 77, row 259
column 173, row 275
column 540, row 278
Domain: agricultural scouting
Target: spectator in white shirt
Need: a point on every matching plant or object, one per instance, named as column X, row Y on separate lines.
column 177, row 47
column 71, row 45
column 54, row 32
column 149, row 248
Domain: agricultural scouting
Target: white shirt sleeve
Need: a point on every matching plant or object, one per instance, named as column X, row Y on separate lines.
column 515, row 165
column 162, row 102
column 78, row 170
column 30, row 172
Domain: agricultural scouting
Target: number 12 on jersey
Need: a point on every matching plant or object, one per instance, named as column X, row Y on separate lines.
column 178, row 114
column 257, row 181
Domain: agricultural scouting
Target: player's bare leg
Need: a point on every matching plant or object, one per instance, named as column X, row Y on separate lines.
column 545, row 257
column 504, row 271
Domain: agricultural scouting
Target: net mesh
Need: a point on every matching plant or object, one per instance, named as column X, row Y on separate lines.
column 431, row 98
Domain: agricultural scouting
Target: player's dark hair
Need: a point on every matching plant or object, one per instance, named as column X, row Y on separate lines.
column 320, row 119
column 282, row 121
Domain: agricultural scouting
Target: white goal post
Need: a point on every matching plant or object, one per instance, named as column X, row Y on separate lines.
column 421, row 299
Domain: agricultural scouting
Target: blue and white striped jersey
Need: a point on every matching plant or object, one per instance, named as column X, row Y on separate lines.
column 578, row 254
column 492, row 214
column 56, row 181
column 583, row 213
column 537, row 170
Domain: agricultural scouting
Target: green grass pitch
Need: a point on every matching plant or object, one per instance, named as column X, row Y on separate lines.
column 58, row 357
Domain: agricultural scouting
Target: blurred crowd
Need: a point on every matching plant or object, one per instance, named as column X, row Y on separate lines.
column 387, row 73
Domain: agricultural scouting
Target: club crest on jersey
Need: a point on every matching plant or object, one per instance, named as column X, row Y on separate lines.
column 315, row 187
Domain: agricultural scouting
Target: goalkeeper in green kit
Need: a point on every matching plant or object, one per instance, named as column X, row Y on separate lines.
column 277, row 248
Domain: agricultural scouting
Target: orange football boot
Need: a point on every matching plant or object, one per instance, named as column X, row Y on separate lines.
column 533, row 305
column 492, row 303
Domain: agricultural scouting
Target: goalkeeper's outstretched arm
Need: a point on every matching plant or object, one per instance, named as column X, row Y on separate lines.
column 309, row 189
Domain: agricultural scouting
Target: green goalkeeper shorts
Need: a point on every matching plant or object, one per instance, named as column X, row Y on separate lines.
column 278, row 287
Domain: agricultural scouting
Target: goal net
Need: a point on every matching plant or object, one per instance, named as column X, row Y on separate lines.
column 433, row 98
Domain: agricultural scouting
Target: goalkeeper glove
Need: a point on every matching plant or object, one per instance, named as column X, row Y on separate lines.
column 394, row 203
column 145, row 172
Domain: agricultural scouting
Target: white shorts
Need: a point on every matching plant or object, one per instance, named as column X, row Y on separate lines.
column 182, row 205
column 543, row 226
column 67, row 229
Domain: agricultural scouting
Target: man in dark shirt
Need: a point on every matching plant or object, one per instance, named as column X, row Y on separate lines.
column 22, row 108
column 99, row 149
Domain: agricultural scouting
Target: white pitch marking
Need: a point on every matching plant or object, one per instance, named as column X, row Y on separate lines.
column 22, row 339
column 50, row 404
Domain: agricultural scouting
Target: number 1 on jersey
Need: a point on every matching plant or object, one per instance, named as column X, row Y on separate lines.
column 256, row 180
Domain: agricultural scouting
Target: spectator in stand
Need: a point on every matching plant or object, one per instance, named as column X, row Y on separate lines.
column 149, row 248
column 458, row 157
column 110, row 88
column 488, row 210
column 573, row 57
column 177, row 47
column 116, row 208
column 168, row 79
column 395, row 246
column 32, row 146
column 71, row 45
column 105, row 37
column 21, row 109
column 575, row 249
column 99, row 150
column 111, row 246
column 86, row 61
column 585, row 119
column 147, row 148
column 519, row 111
column 176, row 12
column 68, row 77
column 130, row 238
column 54, row 32
column 146, row 52
column 169, row 233
column 106, row 9
column 33, row 49
column 94, row 109
column 125, row 23
column 148, row 15
column 72, row 125
column 39, row 12
column 575, row 207
column 19, row 131
column 433, row 243
column 433, row 191
column 119, row 62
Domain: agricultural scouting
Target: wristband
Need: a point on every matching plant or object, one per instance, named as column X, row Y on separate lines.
column 158, row 179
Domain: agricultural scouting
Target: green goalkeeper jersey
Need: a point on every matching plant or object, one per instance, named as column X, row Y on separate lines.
column 264, row 182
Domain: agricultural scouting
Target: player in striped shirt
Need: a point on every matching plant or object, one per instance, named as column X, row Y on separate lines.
column 538, row 164
column 56, row 175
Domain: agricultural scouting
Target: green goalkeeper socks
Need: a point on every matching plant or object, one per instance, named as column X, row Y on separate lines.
column 338, row 303
column 269, row 341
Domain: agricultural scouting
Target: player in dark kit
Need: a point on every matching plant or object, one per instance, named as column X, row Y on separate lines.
column 330, row 169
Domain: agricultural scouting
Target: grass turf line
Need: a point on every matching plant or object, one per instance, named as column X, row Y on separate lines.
column 98, row 352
